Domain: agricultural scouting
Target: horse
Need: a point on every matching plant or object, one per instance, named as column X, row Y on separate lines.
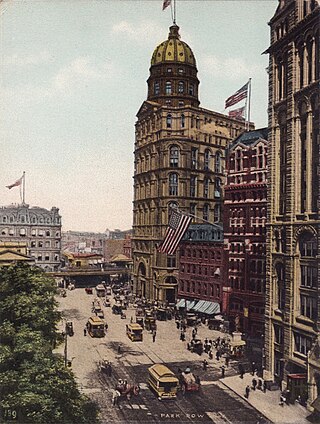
column 128, row 390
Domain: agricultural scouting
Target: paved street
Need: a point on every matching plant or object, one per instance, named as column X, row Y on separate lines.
column 214, row 403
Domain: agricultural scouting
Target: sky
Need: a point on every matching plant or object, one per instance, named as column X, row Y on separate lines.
column 73, row 76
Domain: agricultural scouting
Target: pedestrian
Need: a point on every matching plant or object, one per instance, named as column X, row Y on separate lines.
column 247, row 391
column 115, row 397
column 205, row 364
column 253, row 367
column 264, row 386
column 131, row 320
column 218, row 355
column 259, row 387
column 223, row 371
column 254, row 384
column 194, row 333
column 84, row 331
column 154, row 336
column 106, row 326
column 241, row 370
column 109, row 369
column 210, row 354
column 178, row 325
column 119, row 349
column 227, row 360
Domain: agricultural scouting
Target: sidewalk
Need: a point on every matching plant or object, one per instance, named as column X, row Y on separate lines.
column 267, row 403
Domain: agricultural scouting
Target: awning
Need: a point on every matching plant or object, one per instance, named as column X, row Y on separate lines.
column 182, row 303
column 214, row 308
column 199, row 305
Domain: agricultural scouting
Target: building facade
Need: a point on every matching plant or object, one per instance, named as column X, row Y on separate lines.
column 179, row 162
column 244, row 216
column 293, row 285
column 200, row 263
column 39, row 228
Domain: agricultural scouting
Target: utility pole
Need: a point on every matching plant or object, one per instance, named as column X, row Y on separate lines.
column 65, row 345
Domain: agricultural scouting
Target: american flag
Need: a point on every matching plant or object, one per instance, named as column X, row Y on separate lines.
column 166, row 3
column 237, row 113
column 15, row 184
column 178, row 224
column 237, row 96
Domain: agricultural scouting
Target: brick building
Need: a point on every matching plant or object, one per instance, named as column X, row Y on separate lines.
column 245, row 209
column 200, row 264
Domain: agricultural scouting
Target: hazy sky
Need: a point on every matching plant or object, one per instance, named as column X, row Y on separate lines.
column 73, row 76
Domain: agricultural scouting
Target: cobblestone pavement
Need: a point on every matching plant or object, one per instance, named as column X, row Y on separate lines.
column 214, row 403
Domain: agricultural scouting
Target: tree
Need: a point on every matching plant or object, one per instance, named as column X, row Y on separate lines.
column 33, row 380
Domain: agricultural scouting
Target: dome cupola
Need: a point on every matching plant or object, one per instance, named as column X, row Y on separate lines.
column 173, row 73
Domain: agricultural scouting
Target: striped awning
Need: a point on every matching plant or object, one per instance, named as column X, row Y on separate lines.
column 182, row 303
column 207, row 307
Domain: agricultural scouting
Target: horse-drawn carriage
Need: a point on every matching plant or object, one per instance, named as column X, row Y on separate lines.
column 195, row 346
column 127, row 390
column 189, row 382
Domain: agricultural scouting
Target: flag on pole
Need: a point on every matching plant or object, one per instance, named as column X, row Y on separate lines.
column 15, row 184
column 242, row 93
column 178, row 224
column 166, row 3
column 237, row 113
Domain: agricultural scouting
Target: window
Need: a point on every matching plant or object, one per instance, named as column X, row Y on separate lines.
column 309, row 276
column 191, row 89
column 173, row 185
column 278, row 334
column 156, row 88
column 218, row 162
column 217, row 188
column 193, row 209
column 206, row 212
column 281, row 288
column 302, row 344
column 206, row 159
column 308, row 306
column 171, row 262
column 169, row 120
column 206, row 188
column 182, row 121
column 193, row 182
column 181, row 87
column 216, row 213
column 194, row 158
column 168, row 87
column 308, row 246
column 174, row 157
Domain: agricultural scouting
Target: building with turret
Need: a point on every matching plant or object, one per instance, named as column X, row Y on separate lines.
column 293, row 231
column 179, row 159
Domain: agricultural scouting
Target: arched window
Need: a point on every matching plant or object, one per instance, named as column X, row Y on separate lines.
column 191, row 89
column 303, row 155
column 181, row 87
column 283, row 164
column 315, row 137
column 198, row 122
column 174, row 156
column 206, row 212
column 216, row 213
column 206, row 188
column 168, row 87
column 218, row 162
column 173, row 184
column 156, row 88
column 206, row 159
column 217, row 188
column 182, row 120
column 310, row 60
column 169, row 120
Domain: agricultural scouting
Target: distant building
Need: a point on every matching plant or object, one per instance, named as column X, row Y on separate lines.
column 127, row 246
column 200, row 264
column 14, row 252
column 83, row 260
column 293, row 237
column 245, row 214
column 39, row 228
column 83, row 242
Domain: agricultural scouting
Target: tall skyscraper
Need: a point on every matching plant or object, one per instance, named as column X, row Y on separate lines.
column 293, row 246
column 179, row 162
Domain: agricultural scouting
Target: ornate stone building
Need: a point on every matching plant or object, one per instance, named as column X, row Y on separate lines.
column 244, row 216
column 293, row 246
column 179, row 162
column 39, row 228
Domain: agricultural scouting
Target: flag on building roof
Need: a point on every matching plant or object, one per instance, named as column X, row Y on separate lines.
column 166, row 3
column 242, row 93
column 15, row 184
column 237, row 113
column 178, row 224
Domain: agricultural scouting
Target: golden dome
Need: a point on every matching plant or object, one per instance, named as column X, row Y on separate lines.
column 173, row 50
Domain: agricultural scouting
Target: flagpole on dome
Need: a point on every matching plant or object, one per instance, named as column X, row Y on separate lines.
column 23, row 187
column 174, row 12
